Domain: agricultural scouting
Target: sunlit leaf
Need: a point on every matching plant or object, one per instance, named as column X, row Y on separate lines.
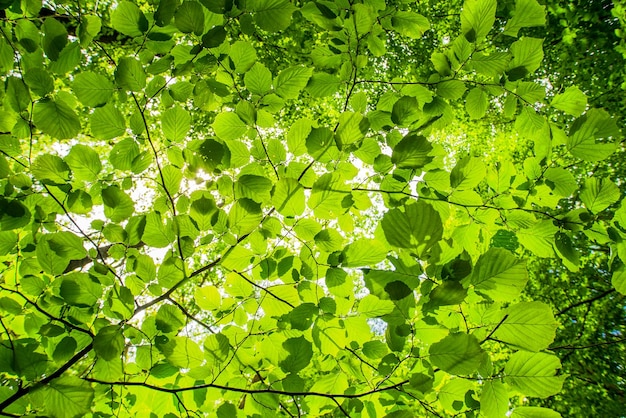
column 457, row 353
column 67, row 396
column 128, row 19
column 477, row 18
column 527, row 13
column 273, row 15
column 56, row 118
column 528, row 325
column 534, row 374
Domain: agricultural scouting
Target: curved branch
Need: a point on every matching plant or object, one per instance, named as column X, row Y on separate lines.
column 396, row 386
column 584, row 347
column 586, row 301
column 25, row 390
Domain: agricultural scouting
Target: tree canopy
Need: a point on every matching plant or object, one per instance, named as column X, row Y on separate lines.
column 359, row 208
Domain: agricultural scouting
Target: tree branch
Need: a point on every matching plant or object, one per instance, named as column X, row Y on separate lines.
column 396, row 386
column 495, row 329
column 584, row 347
column 586, row 301
column 25, row 390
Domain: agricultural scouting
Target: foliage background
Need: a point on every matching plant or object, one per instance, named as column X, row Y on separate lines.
column 349, row 208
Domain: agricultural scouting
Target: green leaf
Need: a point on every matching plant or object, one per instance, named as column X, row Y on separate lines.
column 467, row 173
column 320, row 143
column 243, row 56
column 291, row 81
column 328, row 240
column 245, row 216
column 599, row 194
column 128, row 19
column 50, row 169
column 410, row 24
column 18, row 96
column 8, row 240
column 67, row 396
column 118, row 206
column 68, row 60
column 529, row 325
column 6, row 57
column 618, row 280
column 13, row 214
column 448, row 293
column 492, row 65
column 363, row 252
column 458, row 353
column 169, row 319
column 572, row 101
column 592, row 136
column 189, row 18
column 92, row 89
column 273, row 15
column 327, row 196
column 454, row 393
column 84, row 162
column 207, row 297
column 175, row 123
column 566, row 250
column 476, row 103
column 39, row 81
column 451, row 89
column 202, row 210
column 527, row 54
column 214, row 37
column 413, row 151
column 130, row 74
column 534, row 412
column 373, row 307
column 527, row 13
column 64, row 349
column 494, row 400
column 89, row 28
column 405, row 111
column 560, row 181
column 254, row 187
column 184, row 353
column 375, row 349
column 156, row 234
column 539, row 238
column 54, row 251
column 288, row 197
column 258, row 79
column 532, row 92
column 534, row 374
column 172, row 177
column 300, row 353
column 477, row 19
column 107, row 122
column 351, row 130
column 56, row 118
column 499, row 275
column 228, row 126
column 55, row 38
column 417, row 226
column 217, row 6
column 124, row 153
column 109, row 343
column 323, row 84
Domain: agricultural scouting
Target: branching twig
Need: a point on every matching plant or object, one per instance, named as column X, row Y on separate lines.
column 586, row 301
column 495, row 329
